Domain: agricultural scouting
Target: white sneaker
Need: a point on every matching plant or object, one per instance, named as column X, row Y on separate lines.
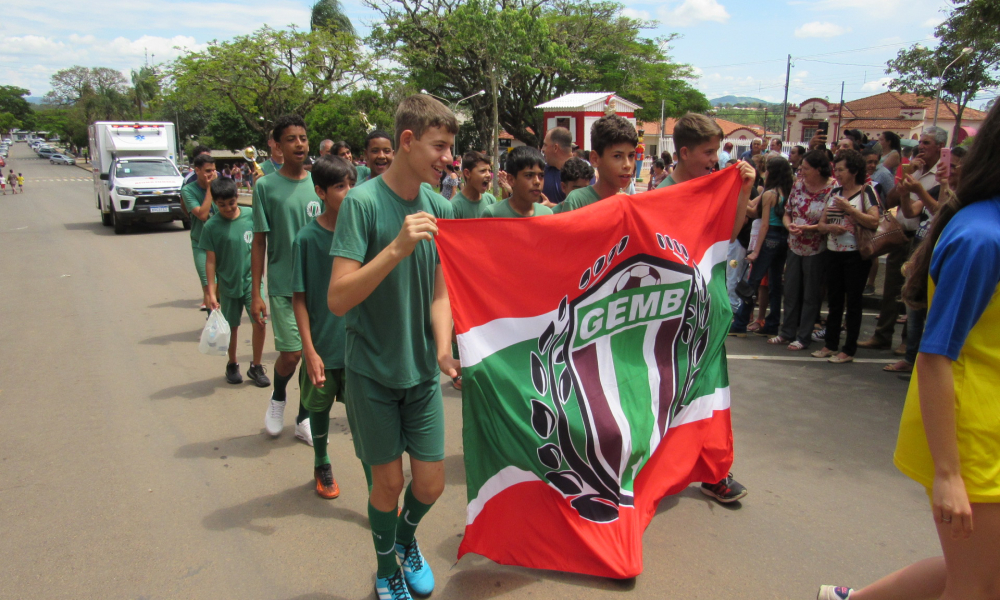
column 304, row 432
column 830, row 592
column 274, row 418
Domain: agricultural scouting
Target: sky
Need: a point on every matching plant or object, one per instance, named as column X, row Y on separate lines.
column 735, row 47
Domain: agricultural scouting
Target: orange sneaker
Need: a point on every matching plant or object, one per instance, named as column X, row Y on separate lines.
column 326, row 485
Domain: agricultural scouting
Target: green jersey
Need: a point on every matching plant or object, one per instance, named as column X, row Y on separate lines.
column 311, row 271
column 669, row 181
column 193, row 195
column 578, row 199
column 364, row 173
column 231, row 241
column 503, row 210
column 467, row 209
column 281, row 207
column 389, row 335
column 269, row 166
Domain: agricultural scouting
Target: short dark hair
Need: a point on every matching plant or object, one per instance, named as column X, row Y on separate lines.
column 330, row 169
column 562, row 138
column 284, row 122
column 522, row 157
column 338, row 146
column 854, row 162
column 378, row 134
column 610, row 130
column 471, row 160
column 223, row 188
column 581, row 154
column 658, row 163
column 819, row 159
column 576, row 168
column 420, row 112
column 203, row 159
column 800, row 150
column 869, row 151
column 200, row 149
column 694, row 129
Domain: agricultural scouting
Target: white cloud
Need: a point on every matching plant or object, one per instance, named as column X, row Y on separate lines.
column 636, row 14
column 934, row 21
column 879, row 85
column 817, row 29
column 800, row 74
column 691, row 12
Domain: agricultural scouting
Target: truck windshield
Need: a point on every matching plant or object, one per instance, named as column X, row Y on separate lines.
column 146, row 168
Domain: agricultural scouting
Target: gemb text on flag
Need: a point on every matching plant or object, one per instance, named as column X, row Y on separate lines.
column 594, row 370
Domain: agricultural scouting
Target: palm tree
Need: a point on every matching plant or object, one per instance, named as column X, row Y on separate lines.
column 330, row 15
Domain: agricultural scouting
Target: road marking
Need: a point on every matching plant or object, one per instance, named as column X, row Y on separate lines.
column 801, row 358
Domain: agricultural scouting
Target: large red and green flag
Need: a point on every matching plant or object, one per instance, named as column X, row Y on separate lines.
column 594, row 371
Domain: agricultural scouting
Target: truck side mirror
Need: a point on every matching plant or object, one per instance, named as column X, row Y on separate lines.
column 104, row 176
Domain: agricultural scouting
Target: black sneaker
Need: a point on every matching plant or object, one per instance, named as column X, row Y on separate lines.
column 258, row 375
column 726, row 491
column 233, row 373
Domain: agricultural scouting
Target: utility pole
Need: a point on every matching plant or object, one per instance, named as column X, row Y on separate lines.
column 496, row 132
column 663, row 125
column 840, row 111
column 784, row 103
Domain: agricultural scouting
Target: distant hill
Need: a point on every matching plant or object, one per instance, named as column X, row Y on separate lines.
column 33, row 99
column 737, row 100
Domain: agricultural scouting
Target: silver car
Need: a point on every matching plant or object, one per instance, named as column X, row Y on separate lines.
column 62, row 159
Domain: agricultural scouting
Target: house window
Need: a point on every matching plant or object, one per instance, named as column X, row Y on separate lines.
column 562, row 122
column 808, row 133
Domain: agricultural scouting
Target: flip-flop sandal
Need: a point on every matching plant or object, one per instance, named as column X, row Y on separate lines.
column 796, row 346
column 823, row 353
column 456, row 382
column 755, row 326
column 894, row 369
column 777, row 340
column 901, row 320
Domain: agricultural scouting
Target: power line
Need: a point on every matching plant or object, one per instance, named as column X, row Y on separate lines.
column 794, row 58
column 827, row 62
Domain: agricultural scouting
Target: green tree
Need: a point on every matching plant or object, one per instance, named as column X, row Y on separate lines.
column 145, row 87
column 330, row 15
column 8, row 121
column 12, row 101
column 972, row 24
column 340, row 117
column 102, row 92
column 228, row 130
column 269, row 73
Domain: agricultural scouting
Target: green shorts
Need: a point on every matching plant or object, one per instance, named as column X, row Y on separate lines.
column 286, row 330
column 386, row 422
column 232, row 309
column 319, row 400
column 199, row 263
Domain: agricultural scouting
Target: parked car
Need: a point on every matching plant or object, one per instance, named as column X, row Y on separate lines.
column 62, row 159
column 46, row 151
column 3, row 163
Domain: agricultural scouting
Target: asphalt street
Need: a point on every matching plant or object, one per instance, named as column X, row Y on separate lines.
column 130, row 469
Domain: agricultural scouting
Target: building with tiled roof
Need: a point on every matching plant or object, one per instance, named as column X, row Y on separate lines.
column 904, row 114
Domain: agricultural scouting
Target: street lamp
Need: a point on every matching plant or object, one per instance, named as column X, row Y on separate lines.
column 965, row 52
column 455, row 104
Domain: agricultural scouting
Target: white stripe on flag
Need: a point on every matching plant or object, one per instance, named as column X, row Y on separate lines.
column 507, row 477
column 606, row 368
column 648, row 344
column 702, row 408
column 483, row 340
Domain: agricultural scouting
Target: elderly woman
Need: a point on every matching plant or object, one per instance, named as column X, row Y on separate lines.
column 852, row 205
column 804, row 268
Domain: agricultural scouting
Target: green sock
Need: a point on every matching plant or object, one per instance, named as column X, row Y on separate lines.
column 384, row 535
column 413, row 511
column 319, row 424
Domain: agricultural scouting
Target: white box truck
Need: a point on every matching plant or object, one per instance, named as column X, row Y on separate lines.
column 135, row 173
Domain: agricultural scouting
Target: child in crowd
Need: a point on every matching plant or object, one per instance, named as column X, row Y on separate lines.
column 226, row 240
column 20, row 182
column 197, row 201
column 378, row 156
column 613, row 140
column 474, row 197
column 525, row 176
column 575, row 174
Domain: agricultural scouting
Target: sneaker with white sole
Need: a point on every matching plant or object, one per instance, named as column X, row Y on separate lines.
column 829, row 592
column 274, row 418
column 304, row 432
column 392, row 587
column 416, row 571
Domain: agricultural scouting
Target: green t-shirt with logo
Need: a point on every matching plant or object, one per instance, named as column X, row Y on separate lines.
column 364, row 173
column 269, row 167
column 669, row 181
column 281, row 208
column 311, row 271
column 504, row 211
column 231, row 241
column 389, row 336
column 193, row 195
column 578, row 198
column 467, row 209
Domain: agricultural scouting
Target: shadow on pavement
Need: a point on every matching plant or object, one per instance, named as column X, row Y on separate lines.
column 254, row 445
column 94, row 226
column 482, row 583
column 299, row 500
column 318, row 596
column 181, row 336
column 194, row 389
column 192, row 304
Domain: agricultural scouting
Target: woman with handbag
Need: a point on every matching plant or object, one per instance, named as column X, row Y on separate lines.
column 804, row 268
column 851, row 206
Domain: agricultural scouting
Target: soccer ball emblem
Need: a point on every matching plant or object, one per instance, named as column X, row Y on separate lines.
column 248, row 236
column 637, row 276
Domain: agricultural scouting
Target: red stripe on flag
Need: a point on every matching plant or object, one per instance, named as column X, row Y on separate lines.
column 533, row 525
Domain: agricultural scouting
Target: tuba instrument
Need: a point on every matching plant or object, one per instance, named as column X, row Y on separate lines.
column 250, row 155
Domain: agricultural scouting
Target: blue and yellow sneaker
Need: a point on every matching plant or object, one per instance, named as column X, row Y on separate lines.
column 392, row 587
column 416, row 571
column 829, row 592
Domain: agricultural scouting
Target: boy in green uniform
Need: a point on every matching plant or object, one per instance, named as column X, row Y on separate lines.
column 473, row 198
column 614, row 140
column 575, row 174
column 526, row 176
column 378, row 155
column 322, row 332
column 274, row 162
column 387, row 280
column 197, row 199
column 226, row 241
column 283, row 202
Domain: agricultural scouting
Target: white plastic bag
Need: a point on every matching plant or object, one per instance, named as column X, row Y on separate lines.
column 215, row 336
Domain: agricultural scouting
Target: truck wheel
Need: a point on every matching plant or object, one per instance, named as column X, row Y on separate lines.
column 106, row 219
column 187, row 224
column 121, row 225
